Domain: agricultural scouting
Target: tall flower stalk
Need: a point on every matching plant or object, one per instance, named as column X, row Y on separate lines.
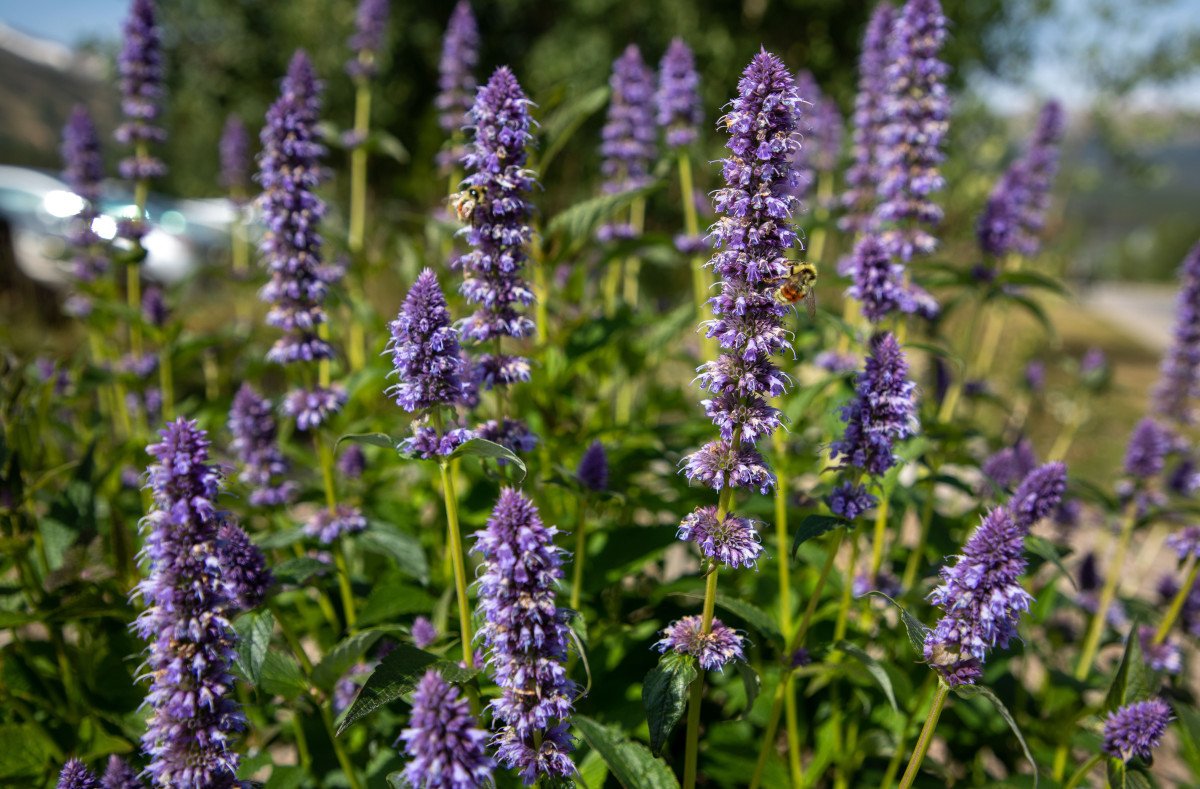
column 753, row 234
column 289, row 172
column 1179, row 379
column 456, row 86
column 500, row 236
column 367, row 42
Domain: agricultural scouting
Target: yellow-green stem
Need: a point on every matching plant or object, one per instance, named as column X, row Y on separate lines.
column 1181, row 597
column 541, row 292
column 1083, row 771
column 697, row 692
column 347, row 592
column 1092, row 642
column 793, row 731
column 324, row 377
column 166, row 382
column 889, row 775
column 339, row 749
column 133, row 295
column 358, row 169
column 926, row 738
column 633, row 265
column 580, row 554
column 460, row 571
column 881, row 523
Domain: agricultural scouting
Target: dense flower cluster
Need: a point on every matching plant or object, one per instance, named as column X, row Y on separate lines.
column 678, row 96
column 1136, row 729
column 628, row 134
column 917, row 112
column 878, row 281
column 593, row 468
column 1185, row 542
column 289, row 172
column 526, row 635
column 370, row 26
column 862, row 177
column 235, row 158
column 719, row 646
column 1015, row 213
column 423, row 632
column 443, row 740
column 456, row 79
column 1008, row 466
column 428, row 362
column 1179, row 380
column 731, row 540
column 140, row 65
column 882, row 412
column 75, row 775
column 328, row 525
column 982, row 597
column 243, row 567
column 1039, row 494
column 1145, row 457
column 83, row 170
column 819, row 134
column 252, row 423
column 850, row 500
column 119, row 775
column 193, row 714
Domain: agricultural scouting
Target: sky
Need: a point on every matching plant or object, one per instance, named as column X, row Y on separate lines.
column 1055, row 70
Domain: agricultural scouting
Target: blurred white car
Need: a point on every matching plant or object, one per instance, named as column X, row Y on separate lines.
column 39, row 208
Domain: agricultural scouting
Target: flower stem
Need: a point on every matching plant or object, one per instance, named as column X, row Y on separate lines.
column 926, row 738
column 580, row 550
column 633, row 265
column 339, row 750
column 339, row 555
column 1082, row 772
column 460, row 571
column 166, row 382
column 358, row 168
column 1164, row 628
column 1108, row 593
column 697, row 694
column 881, row 524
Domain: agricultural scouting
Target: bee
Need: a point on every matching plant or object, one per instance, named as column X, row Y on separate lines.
column 800, row 283
column 466, row 201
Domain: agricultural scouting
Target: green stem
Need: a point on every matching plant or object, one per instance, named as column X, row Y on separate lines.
column 1092, row 643
column 926, row 738
column 793, row 731
column 697, row 691
column 339, row 555
column 633, row 265
column 339, row 750
column 1181, row 597
column 781, row 536
column 1082, row 772
column 289, row 636
column 580, row 554
column 893, row 767
column 166, row 382
column 881, row 523
column 460, row 571
column 358, row 168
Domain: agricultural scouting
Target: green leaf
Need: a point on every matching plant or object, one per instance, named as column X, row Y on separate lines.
column 915, row 627
column 1034, row 279
column 971, row 691
column 26, row 751
column 280, row 539
column 631, row 763
column 392, row 596
column 664, row 695
column 373, row 439
column 562, row 125
column 286, row 776
column 815, row 526
column 402, row 548
column 874, row 668
column 1116, row 774
column 254, row 630
column 1035, row 309
column 281, row 675
column 345, row 654
column 754, row 616
column 1134, row 680
column 388, row 145
column 751, row 683
column 576, row 225
column 397, row 674
column 1043, row 548
column 297, row 571
column 482, row 448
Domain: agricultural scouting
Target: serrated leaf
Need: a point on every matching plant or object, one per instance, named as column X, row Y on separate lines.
column 1044, row 549
column 254, row 630
column 1134, row 680
column 754, row 616
column 402, row 548
column 915, row 627
column 396, row 675
column 345, row 654
column 482, row 448
column 970, row 691
column 281, row 675
column 631, row 763
column 814, row 526
column 664, row 695
column 874, row 668
column 297, row 571
column 372, row 439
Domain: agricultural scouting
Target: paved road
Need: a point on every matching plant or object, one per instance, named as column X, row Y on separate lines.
column 1146, row 312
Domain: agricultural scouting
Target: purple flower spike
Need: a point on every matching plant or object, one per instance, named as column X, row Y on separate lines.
column 444, row 742
column 119, row 775
column 456, row 70
column 1185, row 542
column 327, row 526
column 1008, row 466
column 370, row 26
column 878, row 280
column 83, row 170
column 193, row 715
column 593, row 468
column 717, row 465
column 1146, row 454
column 1015, row 213
column 75, row 775
column 678, row 96
column 1179, row 380
column 289, row 172
column 828, row 129
column 862, row 178
column 1160, row 657
column 423, row 632
column 526, row 636
column 312, row 408
column 712, row 650
column 1039, row 494
column 1136, row 729
column 425, row 349
column 352, row 462
column 917, row 109
column 732, row 541
column 243, row 567
column 140, row 66
column 628, row 133
column 235, row 158
column 882, row 412
column 851, row 501
column 982, row 598
column 252, row 423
